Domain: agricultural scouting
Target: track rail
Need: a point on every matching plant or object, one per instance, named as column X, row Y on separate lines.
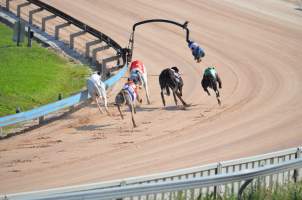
column 77, row 23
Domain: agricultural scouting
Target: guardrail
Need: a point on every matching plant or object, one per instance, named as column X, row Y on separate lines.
column 101, row 41
column 191, row 188
column 77, row 23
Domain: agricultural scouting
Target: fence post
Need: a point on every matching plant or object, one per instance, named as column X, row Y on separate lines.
column 7, row 4
column 1, row 132
column 218, row 170
column 89, row 44
column 296, row 176
column 44, row 19
column 72, row 108
column 31, row 13
column 72, row 37
column 19, row 8
column 58, row 27
column 41, row 120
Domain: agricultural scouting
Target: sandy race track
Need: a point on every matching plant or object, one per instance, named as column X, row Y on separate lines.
column 257, row 50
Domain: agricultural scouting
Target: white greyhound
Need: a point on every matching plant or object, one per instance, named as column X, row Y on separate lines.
column 138, row 73
column 97, row 90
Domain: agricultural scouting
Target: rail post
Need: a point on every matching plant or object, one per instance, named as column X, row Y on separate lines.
column 58, row 27
column 7, row 4
column 218, row 170
column 296, row 175
column 20, row 6
column 89, row 44
column 95, row 52
column 44, row 19
column 1, row 132
column 73, row 36
column 41, row 120
column 31, row 13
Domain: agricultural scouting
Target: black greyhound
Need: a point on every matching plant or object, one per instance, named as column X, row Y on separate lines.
column 211, row 82
column 168, row 79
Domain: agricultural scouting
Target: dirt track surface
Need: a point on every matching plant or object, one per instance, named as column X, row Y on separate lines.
column 256, row 48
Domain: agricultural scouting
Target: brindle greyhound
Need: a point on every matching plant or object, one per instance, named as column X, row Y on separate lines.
column 167, row 79
column 211, row 82
column 124, row 98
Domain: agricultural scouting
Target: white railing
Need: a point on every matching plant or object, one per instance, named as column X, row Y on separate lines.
column 228, row 169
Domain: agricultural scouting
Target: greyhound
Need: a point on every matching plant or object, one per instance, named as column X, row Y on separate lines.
column 210, row 81
column 97, row 91
column 138, row 73
column 127, row 96
column 168, row 79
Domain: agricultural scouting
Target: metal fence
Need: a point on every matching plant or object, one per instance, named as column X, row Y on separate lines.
column 224, row 178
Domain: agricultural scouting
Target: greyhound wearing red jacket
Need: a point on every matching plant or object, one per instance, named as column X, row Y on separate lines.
column 138, row 73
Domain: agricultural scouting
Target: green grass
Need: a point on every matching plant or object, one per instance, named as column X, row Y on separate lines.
column 31, row 77
column 290, row 191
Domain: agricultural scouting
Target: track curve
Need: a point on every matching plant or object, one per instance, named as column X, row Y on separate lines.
column 257, row 53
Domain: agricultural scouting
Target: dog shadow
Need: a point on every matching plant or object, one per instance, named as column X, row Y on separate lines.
column 144, row 109
column 92, row 127
column 180, row 107
column 299, row 9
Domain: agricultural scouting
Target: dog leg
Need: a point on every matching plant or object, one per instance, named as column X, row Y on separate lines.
column 182, row 101
column 147, row 91
column 175, row 100
column 98, row 104
column 119, row 109
column 219, row 102
column 132, row 115
column 163, row 98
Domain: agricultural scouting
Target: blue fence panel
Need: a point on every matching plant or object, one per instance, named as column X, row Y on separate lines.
column 58, row 105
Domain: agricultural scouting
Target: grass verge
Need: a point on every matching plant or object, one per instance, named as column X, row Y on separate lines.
column 31, row 77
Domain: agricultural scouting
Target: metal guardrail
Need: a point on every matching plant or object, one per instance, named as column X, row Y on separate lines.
column 75, row 22
column 160, row 189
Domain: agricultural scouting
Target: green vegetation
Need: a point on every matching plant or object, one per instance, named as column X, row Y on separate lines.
column 289, row 191
column 30, row 77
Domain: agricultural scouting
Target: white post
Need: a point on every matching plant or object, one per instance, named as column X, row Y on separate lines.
column 1, row 132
